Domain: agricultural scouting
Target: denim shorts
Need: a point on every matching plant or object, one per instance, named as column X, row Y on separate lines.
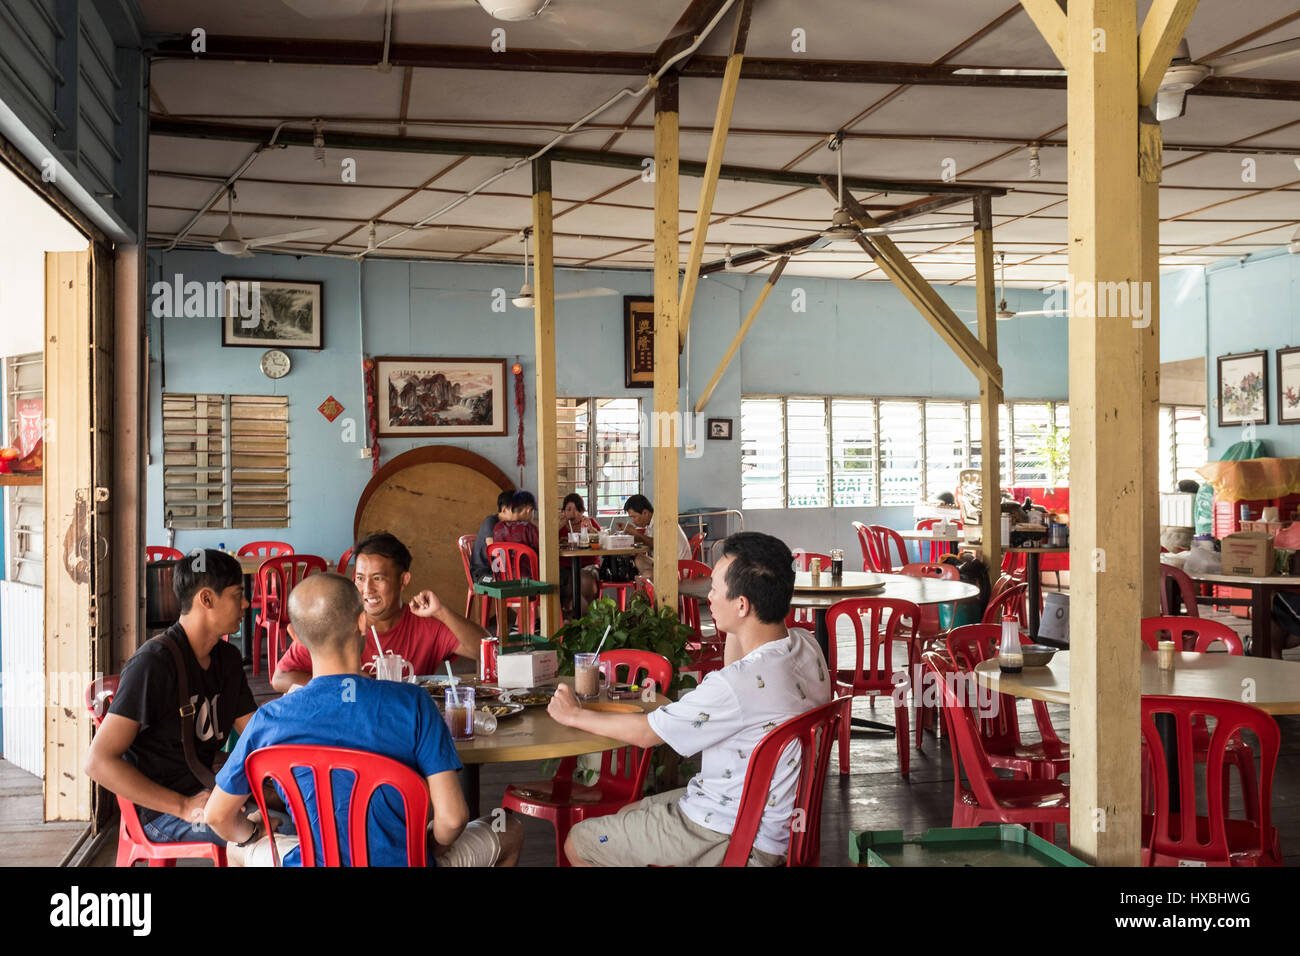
column 166, row 828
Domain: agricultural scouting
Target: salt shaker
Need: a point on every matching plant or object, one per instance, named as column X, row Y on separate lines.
column 1010, row 658
column 815, row 569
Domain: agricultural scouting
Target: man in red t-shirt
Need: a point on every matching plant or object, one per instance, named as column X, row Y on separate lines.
column 426, row 632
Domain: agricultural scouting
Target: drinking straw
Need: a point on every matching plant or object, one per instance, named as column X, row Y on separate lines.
column 451, row 678
column 375, row 635
column 602, row 639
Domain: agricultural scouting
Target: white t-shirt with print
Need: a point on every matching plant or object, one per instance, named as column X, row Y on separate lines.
column 728, row 714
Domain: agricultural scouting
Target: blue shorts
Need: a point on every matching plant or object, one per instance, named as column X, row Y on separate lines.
column 166, row 828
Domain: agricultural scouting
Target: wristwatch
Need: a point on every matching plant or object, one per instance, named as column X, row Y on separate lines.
column 257, row 831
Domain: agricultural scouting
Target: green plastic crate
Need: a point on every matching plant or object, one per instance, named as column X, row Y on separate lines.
column 524, row 587
column 1007, row 844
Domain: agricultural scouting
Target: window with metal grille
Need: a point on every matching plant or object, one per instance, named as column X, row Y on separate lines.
column 799, row 452
column 599, row 443
column 226, row 460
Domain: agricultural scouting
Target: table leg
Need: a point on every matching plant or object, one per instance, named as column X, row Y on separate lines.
column 575, row 570
column 1261, row 622
column 469, row 785
column 1034, row 577
column 503, row 622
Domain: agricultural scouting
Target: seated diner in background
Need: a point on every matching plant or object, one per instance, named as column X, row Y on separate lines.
column 519, row 527
column 772, row 673
column 340, row 708
column 642, row 513
column 480, row 568
column 425, row 632
column 138, row 752
column 573, row 520
column 574, row 517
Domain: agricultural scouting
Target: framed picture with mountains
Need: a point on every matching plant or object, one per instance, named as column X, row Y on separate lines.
column 440, row 397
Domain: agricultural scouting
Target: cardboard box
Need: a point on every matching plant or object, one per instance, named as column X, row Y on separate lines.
column 1248, row 553
column 526, row 669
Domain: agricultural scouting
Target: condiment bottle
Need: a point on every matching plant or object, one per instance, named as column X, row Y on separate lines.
column 837, row 563
column 1010, row 658
column 815, row 569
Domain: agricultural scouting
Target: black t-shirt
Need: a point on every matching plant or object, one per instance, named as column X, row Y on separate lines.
column 479, row 566
column 147, row 693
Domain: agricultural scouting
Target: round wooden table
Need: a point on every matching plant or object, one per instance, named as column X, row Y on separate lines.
column 575, row 556
column 533, row 735
column 1276, row 686
column 1261, row 591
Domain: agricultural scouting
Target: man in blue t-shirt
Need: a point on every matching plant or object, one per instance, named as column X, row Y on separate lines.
column 341, row 708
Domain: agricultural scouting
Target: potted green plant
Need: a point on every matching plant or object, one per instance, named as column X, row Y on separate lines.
column 641, row 627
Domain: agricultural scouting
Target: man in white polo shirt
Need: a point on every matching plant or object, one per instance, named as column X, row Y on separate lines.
column 771, row 675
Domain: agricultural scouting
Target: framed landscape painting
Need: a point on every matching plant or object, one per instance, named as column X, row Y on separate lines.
column 1288, row 386
column 267, row 313
column 1243, row 388
column 440, row 397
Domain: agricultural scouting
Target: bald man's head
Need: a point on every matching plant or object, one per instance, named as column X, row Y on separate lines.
column 323, row 611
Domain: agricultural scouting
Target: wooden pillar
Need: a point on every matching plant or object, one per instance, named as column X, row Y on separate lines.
column 665, row 423
column 1148, row 330
column 130, row 445
column 548, row 475
column 990, row 389
column 1105, row 431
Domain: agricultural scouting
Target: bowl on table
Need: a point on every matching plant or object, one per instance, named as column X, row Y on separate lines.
column 1037, row 655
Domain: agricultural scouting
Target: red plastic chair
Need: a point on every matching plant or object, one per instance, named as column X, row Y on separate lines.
column 1186, row 591
column 697, row 546
column 1014, row 601
column 624, row 590
column 158, row 552
column 814, row 732
column 345, row 560
column 261, row 549
column 925, row 634
column 1198, row 635
column 465, row 544
column 706, row 652
column 275, row 579
column 1170, row 839
column 876, row 625
column 937, row 548
column 866, row 544
column 803, row 560
column 367, row 773
column 986, row 798
column 132, row 844
column 890, row 548
column 511, row 561
column 622, row 772
column 1000, row 733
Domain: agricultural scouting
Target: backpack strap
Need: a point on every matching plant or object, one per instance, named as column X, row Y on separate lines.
column 186, row 708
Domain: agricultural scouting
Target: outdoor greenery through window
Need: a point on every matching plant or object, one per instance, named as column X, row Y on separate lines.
column 799, row 452
column 599, row 443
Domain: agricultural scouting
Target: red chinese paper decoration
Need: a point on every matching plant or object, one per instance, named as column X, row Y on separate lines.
column 518, row 369
column 372, row 413
column 330, row 408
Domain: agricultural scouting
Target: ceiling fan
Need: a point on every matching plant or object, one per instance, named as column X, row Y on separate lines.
column 525, row 299
column 1183, row 74
column 231, row 243
column 1003, row 312
column 842, row 227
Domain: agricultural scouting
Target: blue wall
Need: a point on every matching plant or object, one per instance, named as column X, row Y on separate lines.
column 853, row 339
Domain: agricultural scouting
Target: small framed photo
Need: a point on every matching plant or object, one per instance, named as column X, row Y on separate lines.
column 1288, row 386
column 1243, row 388
column 720, row 429
column 440, row 397
column 268, row 313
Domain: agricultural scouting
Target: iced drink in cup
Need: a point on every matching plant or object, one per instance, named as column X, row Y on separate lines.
column 460, row 712
column 586, row 676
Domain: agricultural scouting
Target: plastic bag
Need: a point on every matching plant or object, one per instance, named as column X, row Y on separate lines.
column 1202, row 560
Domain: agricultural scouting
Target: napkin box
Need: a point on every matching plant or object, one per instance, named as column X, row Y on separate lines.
column 1248, row 553
column 617, row 541
column 526, row 669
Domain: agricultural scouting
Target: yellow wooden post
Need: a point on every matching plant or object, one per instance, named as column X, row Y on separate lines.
column 665, row 423
column 548, row 480
column 1149, row 142
column 990, row 390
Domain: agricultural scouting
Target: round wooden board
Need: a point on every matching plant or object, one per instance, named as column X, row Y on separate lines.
column 429, row 497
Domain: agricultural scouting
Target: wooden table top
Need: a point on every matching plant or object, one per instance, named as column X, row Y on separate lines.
column 901, row 587
column 931, row 536
column 848, row 581
column 1276, row 683
column 1272, row 580
column 534, row 735
column 567, row 552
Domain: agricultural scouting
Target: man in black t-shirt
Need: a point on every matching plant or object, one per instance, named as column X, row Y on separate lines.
column 479, row 566
column 138, row 752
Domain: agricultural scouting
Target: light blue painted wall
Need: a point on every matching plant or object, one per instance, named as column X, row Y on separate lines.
column 1254, row 306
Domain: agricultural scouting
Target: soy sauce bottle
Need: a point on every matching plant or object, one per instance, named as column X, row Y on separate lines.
column 1010, row 658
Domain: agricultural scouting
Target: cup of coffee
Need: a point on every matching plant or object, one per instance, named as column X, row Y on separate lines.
column 586, row 676
column 459, row 712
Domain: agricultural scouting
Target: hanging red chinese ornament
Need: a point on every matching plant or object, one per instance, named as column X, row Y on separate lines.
column 521, row 457
column 372, row 413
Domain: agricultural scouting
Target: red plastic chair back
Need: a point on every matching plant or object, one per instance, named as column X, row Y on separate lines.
column 688, row 608
column 937, row 548
column 158, row 552
column 276, row 577
column 697, row 546
column 943, row 572
column 465, row 545
column 958, row 689
column 803, row 560
column 368, row 771
column 636, row 663
column 264, row 549
column 1191, row 634
column 1014, row 600
column 876, row 625
column 1170, row 575
column 1180, row 836
column 132, row 844
column 973, row 644
column 890, row 548
column 814, row 732
column 511, row 561
column 865, row 543
column 345, row 559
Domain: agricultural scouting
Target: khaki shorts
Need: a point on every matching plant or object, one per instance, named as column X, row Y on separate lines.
column 655, row 832
column 478, row 845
